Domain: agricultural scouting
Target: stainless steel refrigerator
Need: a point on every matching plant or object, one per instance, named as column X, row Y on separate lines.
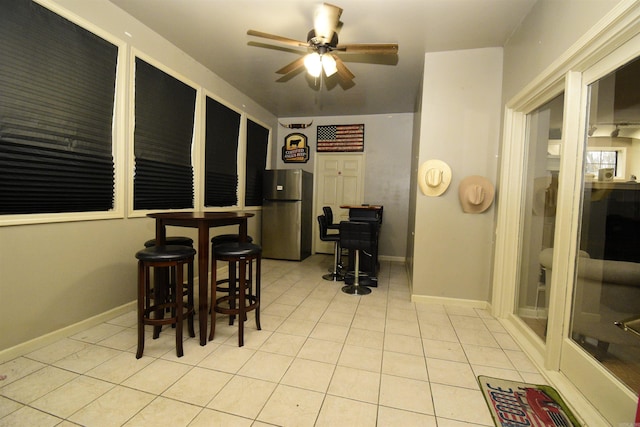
column 287, row 214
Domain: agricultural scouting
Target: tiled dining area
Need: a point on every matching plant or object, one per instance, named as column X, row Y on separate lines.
column 322, row 358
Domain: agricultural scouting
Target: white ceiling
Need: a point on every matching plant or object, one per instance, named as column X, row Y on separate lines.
column 214, row 33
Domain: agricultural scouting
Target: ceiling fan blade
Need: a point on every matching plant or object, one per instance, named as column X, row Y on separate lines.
column 343, row 71
column 292, row 66
column 375, row 48
column 280, row 39
column 326, row 21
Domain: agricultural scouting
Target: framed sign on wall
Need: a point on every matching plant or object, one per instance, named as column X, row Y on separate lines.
column 340, row 138
column 295, row 148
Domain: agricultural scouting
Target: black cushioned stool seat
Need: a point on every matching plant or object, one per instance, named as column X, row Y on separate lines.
column 335, row 274
column 174, row 240
column 228, row 238
column 242, row 298
column 175, row 257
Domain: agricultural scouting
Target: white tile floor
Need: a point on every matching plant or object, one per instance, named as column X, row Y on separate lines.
column 323, row 358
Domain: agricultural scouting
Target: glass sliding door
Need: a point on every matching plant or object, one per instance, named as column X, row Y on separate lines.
column 599, row 355
column 544, row 141
column 607, row 287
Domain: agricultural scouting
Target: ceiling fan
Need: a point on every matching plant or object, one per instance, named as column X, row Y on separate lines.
column 322, row 46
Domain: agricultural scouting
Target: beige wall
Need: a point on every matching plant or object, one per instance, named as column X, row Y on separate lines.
column 54, row 275
column 387, row 146
column 460, row 125
column 550, row 28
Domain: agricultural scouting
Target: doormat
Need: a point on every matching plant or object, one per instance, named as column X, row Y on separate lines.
column 513, row 403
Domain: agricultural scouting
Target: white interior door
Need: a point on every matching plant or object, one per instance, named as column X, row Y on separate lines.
column 339, row 181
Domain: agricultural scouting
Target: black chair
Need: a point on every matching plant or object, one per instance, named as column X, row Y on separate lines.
column 357, row 236
column 328, row 212
column 335, row 275
column 165, row 257
column 242, row 298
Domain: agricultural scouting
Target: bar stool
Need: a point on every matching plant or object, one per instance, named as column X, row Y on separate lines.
column 161, row 292
column 173, row 257
column 328, row 212
column 244, row 294
column 219, row 240
column 357, row 236
column 335, row 275
column 220, row 283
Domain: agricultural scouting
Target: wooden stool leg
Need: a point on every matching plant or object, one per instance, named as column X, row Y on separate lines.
column 232, row 289
column 256, row 279
column 213, row 297
column 171, row 293
column 142, row 297
column 179, row 307
column 190, row 300
column 242, row 313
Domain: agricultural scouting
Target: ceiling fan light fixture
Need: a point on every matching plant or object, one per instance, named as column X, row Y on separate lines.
column 322, row 39
column 329, row 65
column 313, row 64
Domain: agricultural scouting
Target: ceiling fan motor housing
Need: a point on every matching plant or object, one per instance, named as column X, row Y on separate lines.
column 318, row 42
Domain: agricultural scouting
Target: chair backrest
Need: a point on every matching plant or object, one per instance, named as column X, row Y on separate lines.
column 357, row 235
column 322, row 220
column 328, row 213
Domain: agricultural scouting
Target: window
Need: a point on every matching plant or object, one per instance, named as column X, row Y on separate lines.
column 164, row 118
column 221, row 155
column 605, row 158
column 257, row 143
column 57, row 82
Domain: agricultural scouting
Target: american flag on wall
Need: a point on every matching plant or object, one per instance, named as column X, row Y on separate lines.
column 340, row 138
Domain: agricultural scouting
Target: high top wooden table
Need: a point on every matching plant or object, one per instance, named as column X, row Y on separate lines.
column 202, row 221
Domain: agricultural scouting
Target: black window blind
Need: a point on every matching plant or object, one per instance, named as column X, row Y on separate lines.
column 57, row 89
column 221, row 150
column 164, row 118
column 257, row 143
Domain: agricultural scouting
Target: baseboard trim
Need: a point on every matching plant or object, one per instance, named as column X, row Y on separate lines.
column 44, row 340
column 391, row 258
column 484, row 305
